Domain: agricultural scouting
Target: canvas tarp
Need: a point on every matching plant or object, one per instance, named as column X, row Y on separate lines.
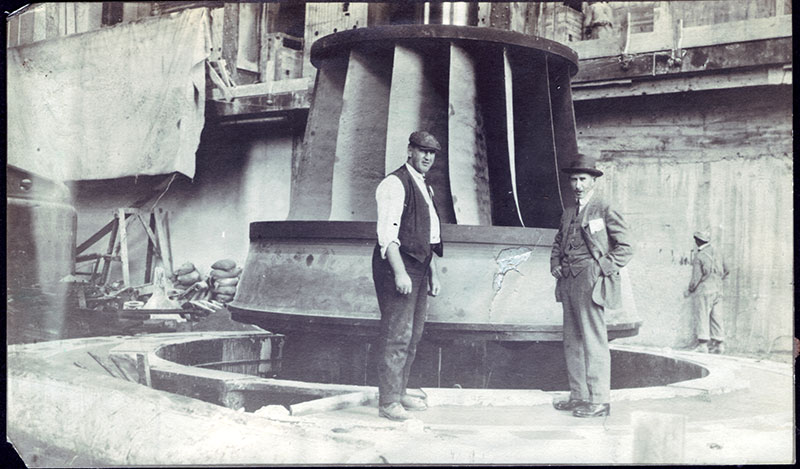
column 120, row 101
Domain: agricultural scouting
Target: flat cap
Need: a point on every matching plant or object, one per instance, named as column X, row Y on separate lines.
column 703, row 236
column 424, row 140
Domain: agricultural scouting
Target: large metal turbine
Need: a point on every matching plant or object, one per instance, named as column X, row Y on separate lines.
column 500, row 104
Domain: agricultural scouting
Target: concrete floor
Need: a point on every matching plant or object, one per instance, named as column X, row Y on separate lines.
column 748, row 418
column 741, row 413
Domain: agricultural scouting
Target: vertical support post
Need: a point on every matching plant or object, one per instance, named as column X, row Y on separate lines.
column 143, row 368
column 164, row 247
column 123, row 247
column 148, row 270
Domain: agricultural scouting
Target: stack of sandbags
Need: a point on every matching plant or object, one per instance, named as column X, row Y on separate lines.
column 185, row 276
column 224, row 278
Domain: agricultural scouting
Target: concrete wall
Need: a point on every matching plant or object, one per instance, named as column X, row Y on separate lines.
column 718, row 159
column 243, row 175
column 673, row 163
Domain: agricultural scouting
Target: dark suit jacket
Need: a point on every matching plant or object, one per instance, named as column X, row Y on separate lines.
column 608, row 238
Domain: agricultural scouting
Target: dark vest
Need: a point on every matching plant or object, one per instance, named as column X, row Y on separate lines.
column 415, row 224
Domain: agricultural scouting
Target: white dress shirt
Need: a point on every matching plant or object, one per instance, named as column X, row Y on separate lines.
column 390, row 196
column 582, row 202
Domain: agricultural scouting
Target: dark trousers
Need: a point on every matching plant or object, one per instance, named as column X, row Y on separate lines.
column 402, row 322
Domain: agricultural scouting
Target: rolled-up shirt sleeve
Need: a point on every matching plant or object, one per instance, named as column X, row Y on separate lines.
column 390, row 196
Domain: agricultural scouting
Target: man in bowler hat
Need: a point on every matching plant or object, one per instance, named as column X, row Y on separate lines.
column 592, row 244
column 404, row 271
column 708, row 272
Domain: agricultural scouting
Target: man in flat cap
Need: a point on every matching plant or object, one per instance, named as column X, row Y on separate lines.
column 404, row 271
column 592, row 244
column 708, row 272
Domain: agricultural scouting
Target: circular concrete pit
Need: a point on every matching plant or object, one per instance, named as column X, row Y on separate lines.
column 102, row 401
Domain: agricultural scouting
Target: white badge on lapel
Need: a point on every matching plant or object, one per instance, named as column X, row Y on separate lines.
column 596, row 225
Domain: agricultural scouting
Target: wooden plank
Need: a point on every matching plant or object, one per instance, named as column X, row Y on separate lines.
column 362, row 135
column 112, row 244
column 221, row 85
column 469, row 174
column 266, row 89
column 230, row 36
column 738, row 31
column 679, row 84
column 328, row 404
column 311, row 187
column 247, row 54
column 162, row 234
column 725, row 56
column 217, row 20
column 123, row 244
column 148, row 268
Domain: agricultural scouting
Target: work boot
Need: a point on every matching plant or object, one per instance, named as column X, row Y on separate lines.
column 592, row 410
column 571, row 404
column 702, row 347
column 717, row 347
column 393, row 411
column 413, row 403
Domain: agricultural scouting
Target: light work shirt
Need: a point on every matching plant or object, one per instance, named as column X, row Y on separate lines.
column 390, row 196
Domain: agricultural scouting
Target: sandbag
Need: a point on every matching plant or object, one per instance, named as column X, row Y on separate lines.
column 189, row 278
column 184, row 269
column 225, row 290
column 224, row 298
column 227, row 282
column 224, row 264
column 217, row 273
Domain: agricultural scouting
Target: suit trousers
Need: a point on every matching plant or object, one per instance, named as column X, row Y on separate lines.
column 402, row 323
column 709, row 316
column 585, row 338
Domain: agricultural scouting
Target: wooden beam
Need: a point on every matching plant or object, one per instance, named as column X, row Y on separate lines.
column 123, row 248
column 137, row 204
column 230, row 36
column 263, row 89
column 327, row 404
column 699, row 59
column 707, row 81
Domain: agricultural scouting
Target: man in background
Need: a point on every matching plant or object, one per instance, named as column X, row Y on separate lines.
column 708, row 272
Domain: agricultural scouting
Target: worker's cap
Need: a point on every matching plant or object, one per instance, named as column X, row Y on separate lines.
column 424, row 140
column 582, row 164
column 703, row 236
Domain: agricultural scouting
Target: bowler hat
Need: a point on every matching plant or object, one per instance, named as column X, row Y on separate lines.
column 424, row 140
column 582, row 164
column 703, row 236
